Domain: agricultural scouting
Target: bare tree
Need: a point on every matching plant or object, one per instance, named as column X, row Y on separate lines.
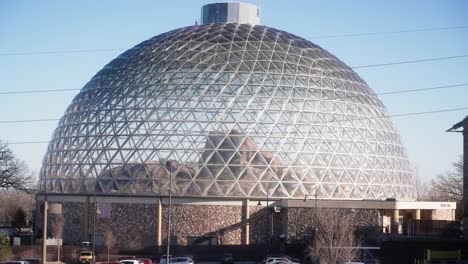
column 449, row 186
column 13, row 173
column 422, row 189
column 334, row 240
column 57, row 231
column 110, row 241
column 11, row 201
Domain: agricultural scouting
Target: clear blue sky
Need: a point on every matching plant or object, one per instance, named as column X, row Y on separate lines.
column 36, row 26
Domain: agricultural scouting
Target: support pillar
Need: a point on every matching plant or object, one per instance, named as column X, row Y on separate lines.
column 44, row 233
column 159, row 233
column 247, row 222
column 395, row 221
column 465, row 179
column 85, row 230
column 417, row 214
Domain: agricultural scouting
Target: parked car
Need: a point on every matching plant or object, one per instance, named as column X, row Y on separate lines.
column 130, row 261
column 126, row 258
column 163, row 259
column 32, row 260
column 181, row 260
column 279, row 262
column 145, row 260
column 227, row 259
column 87, row 257
column 278, row 259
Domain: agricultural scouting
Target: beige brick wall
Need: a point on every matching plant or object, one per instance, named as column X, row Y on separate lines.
column 443, row 214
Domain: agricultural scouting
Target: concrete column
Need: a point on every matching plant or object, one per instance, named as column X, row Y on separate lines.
column 159, row 233
column 465, row 179
column 44, row 234
column 247, row 222
column 85, row 234
column 395, row 218
column 382, row 221
column 417, row 214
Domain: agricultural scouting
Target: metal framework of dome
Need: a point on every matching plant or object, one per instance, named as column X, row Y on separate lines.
column 239, row 111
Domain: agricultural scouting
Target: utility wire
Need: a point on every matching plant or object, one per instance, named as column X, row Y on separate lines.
column 355, row 67
column 388, row 32
column 410, row 61
column 424, row 89
column 40, row 91
column 315, row 37
column 59, row 52
column 366, row 118
column 28, row 120
column 383, row 93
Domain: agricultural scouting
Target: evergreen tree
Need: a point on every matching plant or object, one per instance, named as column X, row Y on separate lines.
column 19, row 220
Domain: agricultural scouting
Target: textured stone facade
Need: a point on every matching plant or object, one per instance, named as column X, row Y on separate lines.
column 447, row 215
column 300, row 221
column 135, row 225
column 222, row 222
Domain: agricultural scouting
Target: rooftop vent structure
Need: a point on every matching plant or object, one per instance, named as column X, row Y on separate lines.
column 241, row 13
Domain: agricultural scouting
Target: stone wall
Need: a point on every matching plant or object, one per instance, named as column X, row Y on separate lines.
column 135, row 225
column 223, row 222
column 300, row 221
column 443, row 214
column 76, row 217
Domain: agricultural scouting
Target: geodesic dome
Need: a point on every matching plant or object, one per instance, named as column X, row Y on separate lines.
column 228, row 110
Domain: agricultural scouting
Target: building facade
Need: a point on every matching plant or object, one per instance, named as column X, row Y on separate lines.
column 221, row 115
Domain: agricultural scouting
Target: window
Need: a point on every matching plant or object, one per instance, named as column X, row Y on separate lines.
column 205, row 241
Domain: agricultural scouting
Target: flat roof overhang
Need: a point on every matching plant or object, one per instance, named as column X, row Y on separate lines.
column 367, row 204
column 282, row 203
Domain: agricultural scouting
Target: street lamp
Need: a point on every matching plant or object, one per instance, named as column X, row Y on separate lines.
column 170, row 165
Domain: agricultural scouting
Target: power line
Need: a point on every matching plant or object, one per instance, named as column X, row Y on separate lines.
column 40, row 91
column 383, row 93
column 366, row 118
column 314, row 37
column 27, row 142
column 424, row 89
column 59, row 52
column 410, row 61
column 28, row 120
column 363, row 66
column 388, row 32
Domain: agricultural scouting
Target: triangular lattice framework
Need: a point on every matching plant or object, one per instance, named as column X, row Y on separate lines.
column 244, row 111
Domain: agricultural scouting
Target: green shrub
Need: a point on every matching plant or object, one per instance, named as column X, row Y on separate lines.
column 5, row 249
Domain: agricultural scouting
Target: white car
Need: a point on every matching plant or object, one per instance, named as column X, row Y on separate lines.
column 181, row 260
column 279, row 260
column 271, row 260
column 163, row 259
column 130, row 261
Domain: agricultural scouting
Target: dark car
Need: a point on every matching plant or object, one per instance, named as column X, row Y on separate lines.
column 32, row 260
column 227, row 259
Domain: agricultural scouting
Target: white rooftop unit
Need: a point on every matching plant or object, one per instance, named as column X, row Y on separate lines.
column 241, row 13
